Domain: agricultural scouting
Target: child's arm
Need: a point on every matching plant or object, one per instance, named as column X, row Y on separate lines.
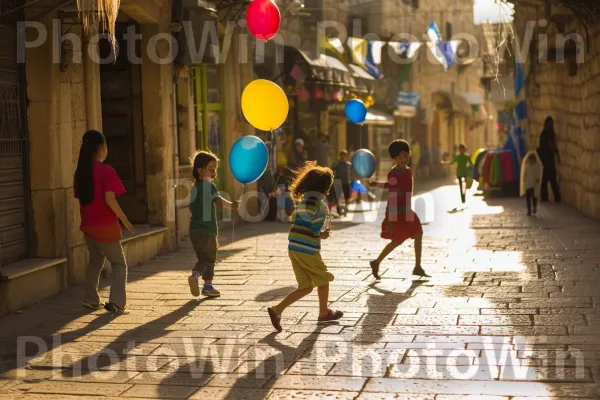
column 112, row 203
column 379, row 184
column 226, row 204
column 450, row 161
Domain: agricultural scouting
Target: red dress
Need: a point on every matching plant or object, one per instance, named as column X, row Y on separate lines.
column 400, row 221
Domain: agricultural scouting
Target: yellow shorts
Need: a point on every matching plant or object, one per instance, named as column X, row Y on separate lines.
column 310, row 270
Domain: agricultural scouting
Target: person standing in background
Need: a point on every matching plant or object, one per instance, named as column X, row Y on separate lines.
column 548, row 152
column 322, row 151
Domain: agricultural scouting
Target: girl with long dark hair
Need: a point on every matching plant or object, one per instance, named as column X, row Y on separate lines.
column 548, row 152
column 96, row 186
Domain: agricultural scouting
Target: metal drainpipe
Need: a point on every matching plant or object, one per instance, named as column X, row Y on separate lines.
column 175, row 152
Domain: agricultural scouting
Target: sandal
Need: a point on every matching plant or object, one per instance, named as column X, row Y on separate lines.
column 275, row 320
column 332, row 316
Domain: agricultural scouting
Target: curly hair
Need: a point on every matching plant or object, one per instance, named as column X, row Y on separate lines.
column 311, row 181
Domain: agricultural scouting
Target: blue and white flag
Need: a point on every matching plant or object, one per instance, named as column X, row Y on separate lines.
column 444, row 52
column 374, row 58
column 516, row 133
column 434, row 33
column 406, row 49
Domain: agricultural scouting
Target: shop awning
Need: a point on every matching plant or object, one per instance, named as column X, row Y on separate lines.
column 358, row 72
column 454, row 102
column 325, row 69
column 376, row 117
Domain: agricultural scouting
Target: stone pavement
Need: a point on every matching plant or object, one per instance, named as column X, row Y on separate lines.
column 511, row 312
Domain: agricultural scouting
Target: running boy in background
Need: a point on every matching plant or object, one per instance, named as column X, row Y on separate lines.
column 463, row 163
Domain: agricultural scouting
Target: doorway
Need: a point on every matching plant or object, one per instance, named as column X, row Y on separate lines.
column 122, row 122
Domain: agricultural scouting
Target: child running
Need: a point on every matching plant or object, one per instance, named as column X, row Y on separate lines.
column 463, row 162
column 309, row 189
column 96, row 186
column 531, row 179
column 400, row 222
column 203, row 224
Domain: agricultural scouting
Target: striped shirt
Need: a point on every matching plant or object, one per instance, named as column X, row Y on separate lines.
column 307, row 221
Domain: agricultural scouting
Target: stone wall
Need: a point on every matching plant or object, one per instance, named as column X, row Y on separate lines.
column 574, row 103
column 56, row 121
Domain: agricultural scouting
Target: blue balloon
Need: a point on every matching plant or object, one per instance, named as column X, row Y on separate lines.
column 363, row 162
column 248, row 159
column 356, row 111
column 359, row 187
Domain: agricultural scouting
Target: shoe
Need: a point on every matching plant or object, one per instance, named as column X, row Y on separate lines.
column 275, row 319
column 92, row 306
column 331, row 316
column 419, row 271
column 375, row 270
column 211, row 292
column 194, row 287
column 115, row 309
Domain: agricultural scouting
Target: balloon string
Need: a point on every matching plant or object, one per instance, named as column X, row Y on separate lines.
column 233, row 221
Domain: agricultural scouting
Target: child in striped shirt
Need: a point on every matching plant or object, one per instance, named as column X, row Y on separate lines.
column 309, row 189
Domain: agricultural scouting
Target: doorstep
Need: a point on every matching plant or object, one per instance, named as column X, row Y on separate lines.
column 28, row 281
column 27, row 266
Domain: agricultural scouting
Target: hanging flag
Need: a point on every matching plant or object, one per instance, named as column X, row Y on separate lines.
column 358, row 51
column 373, row 61
column 444, row 52
column 332, row 47
column 406, row 49
column 516, row 133
column 434, row 33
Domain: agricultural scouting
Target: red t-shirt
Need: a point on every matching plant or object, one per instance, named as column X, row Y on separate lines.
column 98, row 221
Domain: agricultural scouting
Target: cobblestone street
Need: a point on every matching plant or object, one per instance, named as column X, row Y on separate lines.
column 511, row 312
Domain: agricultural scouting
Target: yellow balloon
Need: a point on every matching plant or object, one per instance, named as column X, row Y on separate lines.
column 264, row 105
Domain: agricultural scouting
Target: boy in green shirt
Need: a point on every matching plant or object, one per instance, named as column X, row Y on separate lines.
column 463, row 164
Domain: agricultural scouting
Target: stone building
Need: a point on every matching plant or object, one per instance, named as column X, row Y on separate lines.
column 145, row 103
column 563, row 81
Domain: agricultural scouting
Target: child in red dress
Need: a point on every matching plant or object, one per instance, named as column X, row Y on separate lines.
column 400, row 221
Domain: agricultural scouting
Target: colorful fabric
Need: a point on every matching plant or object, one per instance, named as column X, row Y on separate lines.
column 487, row 168
column 400, row 222
column 508, row 172
column 496, row 173
column 204, row 212
column 477, row 169
column 309, row 269
column 98, row 221
column 307, row 221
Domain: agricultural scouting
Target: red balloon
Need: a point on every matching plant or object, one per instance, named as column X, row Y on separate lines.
column 263, row 19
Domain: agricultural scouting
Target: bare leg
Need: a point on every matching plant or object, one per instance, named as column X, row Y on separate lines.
column 323, row 291
column 384, row 253
column 291, row 299
column 418, row 250
column 387, row 250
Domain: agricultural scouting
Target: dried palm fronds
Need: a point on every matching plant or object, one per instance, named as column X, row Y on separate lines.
column 97, row 14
